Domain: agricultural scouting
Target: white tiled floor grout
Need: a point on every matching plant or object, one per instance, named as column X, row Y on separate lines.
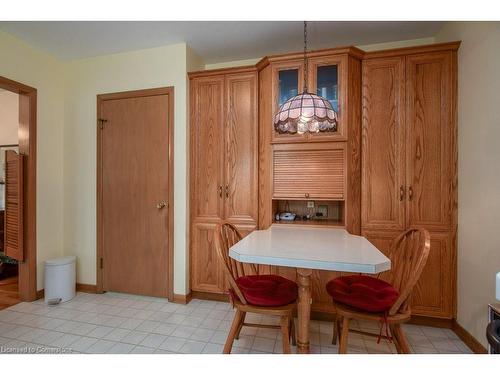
column 121, row 323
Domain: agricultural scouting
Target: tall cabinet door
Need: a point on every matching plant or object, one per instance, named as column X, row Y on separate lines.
column 383, row 145
column 242, row 149
column 429, row 140
column 207, row 121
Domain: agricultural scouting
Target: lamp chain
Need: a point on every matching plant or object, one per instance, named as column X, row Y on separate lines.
column 305, row 56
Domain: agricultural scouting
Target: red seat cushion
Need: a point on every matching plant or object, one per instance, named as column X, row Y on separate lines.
column 267, row 290
column 363, row 292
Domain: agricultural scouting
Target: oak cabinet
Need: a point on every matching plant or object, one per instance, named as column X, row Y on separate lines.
column 326, row 76
column 241, row 149
column 287, row 80
column 206, row 143
column 391, row 164
column 383, row 144
column 309, row 171
column 430, row 136
column 408, row 135
column 224, row 166
column 324, row 166
column 409, row 164
column 206, row 272
column 432, row 295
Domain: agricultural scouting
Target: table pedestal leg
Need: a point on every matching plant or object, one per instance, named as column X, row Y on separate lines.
column 303, row 309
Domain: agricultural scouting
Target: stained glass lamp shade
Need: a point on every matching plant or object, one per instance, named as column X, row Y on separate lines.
column 306, row 112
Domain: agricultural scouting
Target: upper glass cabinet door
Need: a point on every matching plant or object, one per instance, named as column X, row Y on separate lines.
column 327, row 84
column 288, row 85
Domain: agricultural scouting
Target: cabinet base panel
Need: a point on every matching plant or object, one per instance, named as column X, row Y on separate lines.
column 221, row 297
column 326, row 312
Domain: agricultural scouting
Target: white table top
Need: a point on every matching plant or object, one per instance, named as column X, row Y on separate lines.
column 329, row 249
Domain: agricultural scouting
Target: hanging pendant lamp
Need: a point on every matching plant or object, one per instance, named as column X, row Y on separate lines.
column 306, row 112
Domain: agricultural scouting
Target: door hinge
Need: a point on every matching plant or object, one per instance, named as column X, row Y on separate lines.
column 101, row 263
column 102, row 121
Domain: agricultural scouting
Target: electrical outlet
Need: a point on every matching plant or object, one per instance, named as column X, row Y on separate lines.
column 310, row 204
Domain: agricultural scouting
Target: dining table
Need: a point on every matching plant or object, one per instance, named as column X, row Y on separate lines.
column 307, row 249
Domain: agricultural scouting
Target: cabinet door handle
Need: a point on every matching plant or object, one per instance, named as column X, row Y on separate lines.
column 410, row 193
column 401, row 192
column 306, row 195
column 220, row 191
column 227, row 191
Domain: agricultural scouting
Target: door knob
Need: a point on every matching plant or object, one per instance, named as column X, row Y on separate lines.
column 161, row 205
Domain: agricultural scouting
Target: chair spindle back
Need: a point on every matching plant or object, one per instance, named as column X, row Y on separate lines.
column 226, row 235
column 409, row 253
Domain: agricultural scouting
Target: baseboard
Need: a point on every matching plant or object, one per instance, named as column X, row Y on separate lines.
column 431, row 321
column 182, row 298
column 210, row 296
column 468, row 339
column 86, row 288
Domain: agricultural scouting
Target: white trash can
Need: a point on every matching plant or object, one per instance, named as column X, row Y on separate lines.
column 60, row 278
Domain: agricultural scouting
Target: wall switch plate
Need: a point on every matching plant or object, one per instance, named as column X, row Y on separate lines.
column 310, row 204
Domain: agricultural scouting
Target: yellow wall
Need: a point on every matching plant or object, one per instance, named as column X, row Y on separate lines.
column 85, row 79
column 478, row 175
column 22, row 63
column 396, row 44
column 231, row 64
column 367, row 47
column 9, row 117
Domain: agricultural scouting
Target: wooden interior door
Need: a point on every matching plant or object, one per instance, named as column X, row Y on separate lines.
column 207, row 174
column 429, row 140
column 383, row 144
column 242, row 149
column 134, row 194
column 14, row 205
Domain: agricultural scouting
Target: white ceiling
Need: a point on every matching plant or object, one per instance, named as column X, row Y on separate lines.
column 213, row 41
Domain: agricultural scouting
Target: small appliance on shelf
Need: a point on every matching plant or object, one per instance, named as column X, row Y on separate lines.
column 287, row 216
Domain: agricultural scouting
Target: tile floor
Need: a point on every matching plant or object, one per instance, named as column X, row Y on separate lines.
column 120, row 323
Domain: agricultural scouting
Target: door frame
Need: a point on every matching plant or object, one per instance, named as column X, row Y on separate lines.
column 27, row 147
column 169, row 91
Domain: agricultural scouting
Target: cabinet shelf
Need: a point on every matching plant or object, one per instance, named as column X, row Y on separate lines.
column 323, row 223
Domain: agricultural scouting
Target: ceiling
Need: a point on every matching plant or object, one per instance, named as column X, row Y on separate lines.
column 213, row 41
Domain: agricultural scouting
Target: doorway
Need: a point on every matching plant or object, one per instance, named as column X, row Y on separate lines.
column 135, row 192
column 18, row 195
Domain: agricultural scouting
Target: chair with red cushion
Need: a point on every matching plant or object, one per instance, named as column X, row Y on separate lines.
column 362, row 297
column 251, row 292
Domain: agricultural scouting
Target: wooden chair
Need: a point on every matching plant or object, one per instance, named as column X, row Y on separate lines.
column 226, row 235
column 408, row 255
